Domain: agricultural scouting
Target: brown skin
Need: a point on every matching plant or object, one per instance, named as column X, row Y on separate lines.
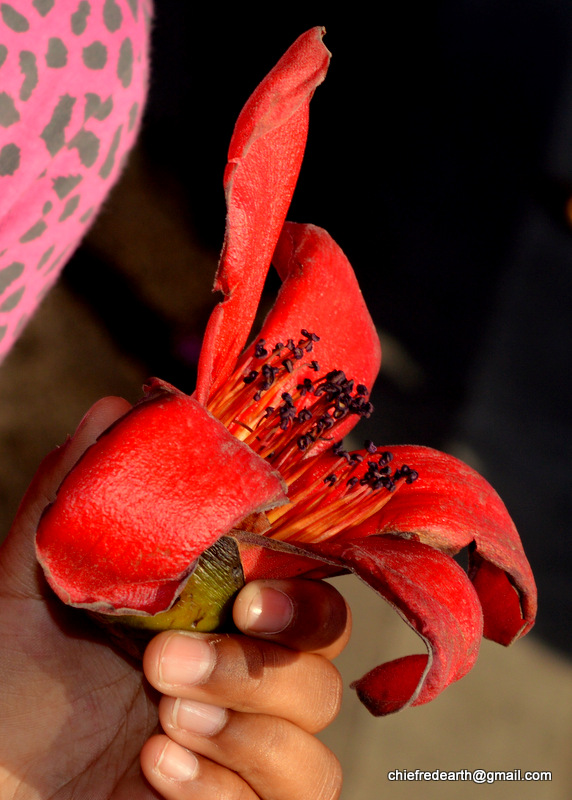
column 78, row 719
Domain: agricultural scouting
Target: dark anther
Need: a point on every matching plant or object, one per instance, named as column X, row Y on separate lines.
column 361, row 389
column 305, row 415
column 269, row 411
column 357, row 458
column 256, row 397
column 260, row 351
column 288, row 399
column 314, row 366
column 336, row 376
column 370, row 446
column 338, row 449
column 413, row 475
column 269, row 374
column 297, row 352
column 352, row 482
column 325, row 423
column 288, row 364
column 386, row 457
column 366, row 410
column 290, row 344
column 251, row 377
column 278, row 347
column 331, row 479
column 305, row 387
column 305, row 441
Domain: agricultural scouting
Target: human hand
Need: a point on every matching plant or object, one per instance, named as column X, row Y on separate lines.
column 247, row 708
column 74, row 712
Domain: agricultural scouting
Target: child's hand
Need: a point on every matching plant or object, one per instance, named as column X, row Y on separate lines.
column 74, row 713
column 239, row 713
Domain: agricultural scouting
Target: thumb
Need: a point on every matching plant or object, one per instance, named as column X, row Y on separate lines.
column 17, row 555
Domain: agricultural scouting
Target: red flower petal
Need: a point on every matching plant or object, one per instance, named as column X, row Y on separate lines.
column 156, row 489
column 433, row 594
column 265, row 156
column 320, row 292
column 451, row 506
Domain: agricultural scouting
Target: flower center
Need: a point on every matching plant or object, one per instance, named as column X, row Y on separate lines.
column 278, row 404
column 359, row 484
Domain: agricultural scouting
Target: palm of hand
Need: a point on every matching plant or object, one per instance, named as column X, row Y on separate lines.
column 73, row 712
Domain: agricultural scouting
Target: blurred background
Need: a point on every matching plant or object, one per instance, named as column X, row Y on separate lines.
column 440, row 159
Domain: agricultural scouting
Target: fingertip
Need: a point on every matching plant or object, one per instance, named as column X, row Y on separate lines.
column 305, row 615
column 263, row 609
column 95, row 421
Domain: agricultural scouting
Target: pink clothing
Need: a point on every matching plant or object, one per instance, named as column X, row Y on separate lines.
column 73, row 78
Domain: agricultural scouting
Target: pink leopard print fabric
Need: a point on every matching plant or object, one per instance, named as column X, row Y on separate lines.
column 73, row 78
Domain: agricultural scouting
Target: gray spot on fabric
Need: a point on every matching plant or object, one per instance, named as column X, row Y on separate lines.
column 53, row 133
column 9, row 159
column 133, row 5
column 69, row 207
column 79, row 18
column 109, row 162
column 48, row 205
column 87, row 215
column 57, row 55
column 87, row 145
column 45, row 257
column 8, row 112
column 43, row 7
column 112, row 16
column 94, row 107
column 125, row 63
column 57, row 261
column 3, row 329
column 29, row 69
column 12, row 301
column 95, row 55
column 65, row 184
column 133, row 114
column 9, row 274
column 13, row 19
column 3, row 53
column 34, row 232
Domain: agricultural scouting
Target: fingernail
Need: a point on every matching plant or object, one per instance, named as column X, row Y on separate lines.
column 177, row 764
column 185, row 660
column 194, row 717
column 269, row 611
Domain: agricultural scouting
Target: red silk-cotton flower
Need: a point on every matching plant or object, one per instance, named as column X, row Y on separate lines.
column 255, row 456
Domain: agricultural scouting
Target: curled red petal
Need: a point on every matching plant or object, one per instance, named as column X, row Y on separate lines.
column 433, row 594
column 264, row 160
column 320, row 293
column 155, row 491
column 451, row 506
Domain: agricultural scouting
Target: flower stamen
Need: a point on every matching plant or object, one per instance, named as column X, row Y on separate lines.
column 278, row 404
